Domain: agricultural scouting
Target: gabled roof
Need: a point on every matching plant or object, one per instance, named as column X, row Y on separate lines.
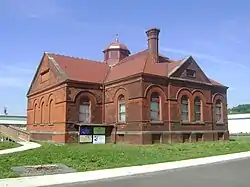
column 79, row 69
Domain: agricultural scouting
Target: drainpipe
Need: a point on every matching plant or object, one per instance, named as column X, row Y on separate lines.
column 213, row 120
column 103, row 104
column 169, row 113
column 115, row 134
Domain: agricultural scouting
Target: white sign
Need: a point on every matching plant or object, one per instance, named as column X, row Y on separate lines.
column 99, row 139
column 85, row 139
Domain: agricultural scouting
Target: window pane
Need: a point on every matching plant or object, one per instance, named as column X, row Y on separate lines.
column 218, row 117
column 122, row 117
column 84, row 108
column 154, row 116
column 197, row 108
column 184, row 101
column 154, row 106
column 184, row 116
column 218, row 111
column 197, row 117
column 184, row 108
column 122, row 107
column 84, row 118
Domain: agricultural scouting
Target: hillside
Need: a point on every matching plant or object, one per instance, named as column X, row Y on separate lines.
column 240, row 109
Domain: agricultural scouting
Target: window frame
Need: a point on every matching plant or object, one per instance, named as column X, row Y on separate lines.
column 219, row 106
column 155, row 99
column 121, row 103
column 50, row 111
column 87, row 114
column 42, row 108
column 190, row 73
column 187, row 105
column 197, row 103
column 35, row 113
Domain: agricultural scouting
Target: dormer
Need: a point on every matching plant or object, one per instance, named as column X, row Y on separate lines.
column 115, row 52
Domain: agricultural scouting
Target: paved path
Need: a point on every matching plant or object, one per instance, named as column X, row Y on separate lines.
column 230, row 174
column 25, row 146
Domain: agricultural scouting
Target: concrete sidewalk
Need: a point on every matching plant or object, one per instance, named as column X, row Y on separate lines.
column 25, row 146
column 47, row 180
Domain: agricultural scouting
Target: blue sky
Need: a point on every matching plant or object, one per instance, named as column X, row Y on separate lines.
column 215, row 33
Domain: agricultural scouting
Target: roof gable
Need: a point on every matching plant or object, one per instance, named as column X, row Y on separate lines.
column 47, row 73
column 188, row 69
column 79, row 69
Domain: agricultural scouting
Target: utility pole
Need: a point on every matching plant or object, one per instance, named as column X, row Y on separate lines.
column 5, row 111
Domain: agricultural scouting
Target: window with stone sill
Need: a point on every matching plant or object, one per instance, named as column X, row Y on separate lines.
column 84, row 111
column 155, row 107
column 184, row 108
column 197, row 109
column 51, row 111
column 42, row 112
column 121, row 109
column 35, row 114
column 218, row 111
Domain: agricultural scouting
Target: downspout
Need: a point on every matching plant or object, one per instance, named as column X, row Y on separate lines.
column 115, row 133
column 169, row 113
column 212, row 108
column 103, row 104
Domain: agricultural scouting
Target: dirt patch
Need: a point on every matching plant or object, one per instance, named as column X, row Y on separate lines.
column 25, row 171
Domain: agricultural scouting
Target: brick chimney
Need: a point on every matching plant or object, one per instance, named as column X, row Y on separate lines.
column 153, row 48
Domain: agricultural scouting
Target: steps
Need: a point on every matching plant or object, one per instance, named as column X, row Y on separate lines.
column 14, row 133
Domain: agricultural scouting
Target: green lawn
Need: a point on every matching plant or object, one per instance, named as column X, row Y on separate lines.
column 8, row 145
column 92, row 157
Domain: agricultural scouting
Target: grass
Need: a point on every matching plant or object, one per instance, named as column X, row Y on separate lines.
column 8, row 145
column 93, row 157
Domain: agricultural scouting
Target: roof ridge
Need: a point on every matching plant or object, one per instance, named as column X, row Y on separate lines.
column 79, row 58
column 129, row 58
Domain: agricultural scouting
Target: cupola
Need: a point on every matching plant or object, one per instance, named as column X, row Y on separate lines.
column 115, row 52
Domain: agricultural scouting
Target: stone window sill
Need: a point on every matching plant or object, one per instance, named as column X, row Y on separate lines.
column 121, row 122
column 192, row 123
column 220, row 123
column 157, row 122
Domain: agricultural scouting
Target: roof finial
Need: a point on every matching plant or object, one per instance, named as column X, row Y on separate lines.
column 117, row 38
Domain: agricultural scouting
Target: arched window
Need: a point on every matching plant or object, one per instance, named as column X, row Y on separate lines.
column 42, row 112
column 84, row 110
column 50, row 111
column 35, row 113
column 184, row 108
column 218, row 111
column 155, row 107
column 121, row 109
column 197, row 109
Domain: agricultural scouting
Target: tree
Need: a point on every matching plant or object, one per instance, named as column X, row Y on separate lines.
column 240, row 109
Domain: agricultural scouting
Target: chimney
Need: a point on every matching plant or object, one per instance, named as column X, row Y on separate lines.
column 153, row 48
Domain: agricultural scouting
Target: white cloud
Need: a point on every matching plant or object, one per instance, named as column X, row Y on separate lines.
column 203, row 56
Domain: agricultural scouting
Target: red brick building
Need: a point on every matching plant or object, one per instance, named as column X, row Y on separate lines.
column 140, row 98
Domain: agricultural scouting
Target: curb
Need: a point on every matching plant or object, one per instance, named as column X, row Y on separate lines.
column 57, row 179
